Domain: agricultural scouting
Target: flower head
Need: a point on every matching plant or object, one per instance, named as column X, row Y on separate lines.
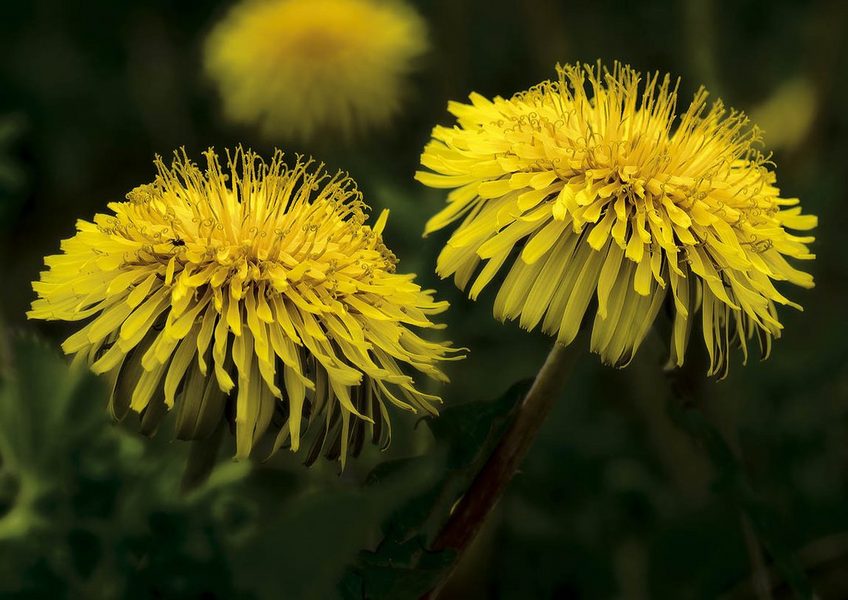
column 301, row 68
column 258, row 293
column 607, row 193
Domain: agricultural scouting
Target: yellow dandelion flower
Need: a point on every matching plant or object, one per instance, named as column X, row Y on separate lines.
column 607, row 193
column 302, row 68
column 256, row 292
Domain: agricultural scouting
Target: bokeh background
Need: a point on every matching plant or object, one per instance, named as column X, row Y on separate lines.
column 617, row 499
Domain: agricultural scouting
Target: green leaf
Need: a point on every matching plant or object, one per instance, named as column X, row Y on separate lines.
column 402, row 566
column 302, row 547
column 44, row 411
column 471, row 430
column 45, row 406
column 406, row 570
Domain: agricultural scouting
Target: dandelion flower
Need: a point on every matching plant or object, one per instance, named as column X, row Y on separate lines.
column 605, row 192
column 303, row 68
column 255, row 292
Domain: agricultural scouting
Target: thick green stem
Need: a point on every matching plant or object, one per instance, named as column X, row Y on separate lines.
column 489, row 485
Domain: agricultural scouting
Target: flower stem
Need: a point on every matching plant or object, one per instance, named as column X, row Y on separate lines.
column 717, row 413
column 489, row 485
column 686, row 387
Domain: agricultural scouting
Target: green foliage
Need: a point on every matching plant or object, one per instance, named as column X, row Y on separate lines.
column 402, row 566
column 397, row 570
column 89, row 512
column 44, row 423
column 300, row 547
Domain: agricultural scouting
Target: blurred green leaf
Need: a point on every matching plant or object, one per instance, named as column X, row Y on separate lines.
column 88, row 510
column 43, row 414
column 302, row 546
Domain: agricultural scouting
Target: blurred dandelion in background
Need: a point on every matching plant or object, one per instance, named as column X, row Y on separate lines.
column 300, row 69
column 788, row 114
column 259, row 282
column 608, row 193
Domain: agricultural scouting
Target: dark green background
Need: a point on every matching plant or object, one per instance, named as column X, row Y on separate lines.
column 614, row 501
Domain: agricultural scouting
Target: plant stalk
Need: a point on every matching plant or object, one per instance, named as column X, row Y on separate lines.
column 469, row 515
column 686, row 386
